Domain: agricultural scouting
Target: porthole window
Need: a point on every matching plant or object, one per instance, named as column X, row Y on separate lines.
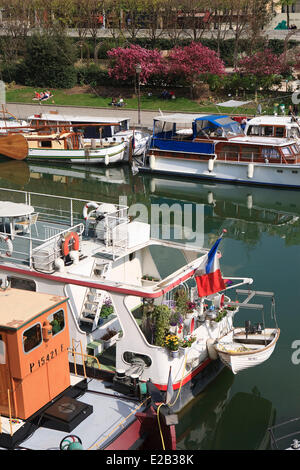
column 32, row 337
column 136, row 358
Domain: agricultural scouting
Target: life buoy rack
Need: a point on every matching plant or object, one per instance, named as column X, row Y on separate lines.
column 9, row 245
column 87, row 206
column 72, row 236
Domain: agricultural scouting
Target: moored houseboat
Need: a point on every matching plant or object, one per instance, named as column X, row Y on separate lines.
column 148, row 309
column 215, row 148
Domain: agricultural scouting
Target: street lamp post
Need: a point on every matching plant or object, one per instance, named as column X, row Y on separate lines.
column 138, row 70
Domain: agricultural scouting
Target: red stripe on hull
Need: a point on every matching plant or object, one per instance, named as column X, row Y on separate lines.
column 187, row 378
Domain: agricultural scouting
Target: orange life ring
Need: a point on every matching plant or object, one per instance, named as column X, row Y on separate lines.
column 65, row 245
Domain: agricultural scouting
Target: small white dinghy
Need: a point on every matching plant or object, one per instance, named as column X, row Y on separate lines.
column 239, row 350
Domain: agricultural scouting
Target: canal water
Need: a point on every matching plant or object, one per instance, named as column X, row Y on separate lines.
column 262, row 241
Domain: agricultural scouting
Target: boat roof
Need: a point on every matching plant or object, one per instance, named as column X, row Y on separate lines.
column 261, row 140
column 275, row 120
column 76, row 118
column 22, row 306
column 216, row 119
column 179, row 118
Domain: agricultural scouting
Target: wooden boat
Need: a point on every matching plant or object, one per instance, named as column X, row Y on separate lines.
column 70, row 147
column 214, row 147
column 109, row 129
column 239, row 350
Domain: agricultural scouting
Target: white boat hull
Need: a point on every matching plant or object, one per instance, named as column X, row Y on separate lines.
column 239, row 357
column 270, row 174
column 106, row 156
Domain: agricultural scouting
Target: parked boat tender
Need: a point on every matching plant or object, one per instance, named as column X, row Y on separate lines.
column 239, row 350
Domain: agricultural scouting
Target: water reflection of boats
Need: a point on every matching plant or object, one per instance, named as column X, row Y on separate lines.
column 113, row 175
column 223, row 195
column 244, row 423
column 217, row 420
column 90, row 181
column 15, row 171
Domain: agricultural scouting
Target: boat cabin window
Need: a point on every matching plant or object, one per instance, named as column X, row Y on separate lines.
column 2, row 351
column 163, row 129
column 57, row 321
column 46, row 143
column 230, row 151
column 249, row 152
column 279, row 132
column 268, row 131
column 270, row 152
column 24, row 284
column 131, row 357
column 254, row 130
column 32, row 337
column 286, row 151
column 294, row 132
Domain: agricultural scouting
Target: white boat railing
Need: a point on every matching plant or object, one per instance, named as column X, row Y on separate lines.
column 59, row 209
column 253, row 157
column 58, row 215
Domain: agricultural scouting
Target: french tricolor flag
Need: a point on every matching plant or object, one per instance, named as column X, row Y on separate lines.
column 208, row 276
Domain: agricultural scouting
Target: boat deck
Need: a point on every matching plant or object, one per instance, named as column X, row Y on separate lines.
column 112, row 412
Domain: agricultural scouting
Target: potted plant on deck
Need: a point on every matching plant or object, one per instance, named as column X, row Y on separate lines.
column 109, row 338
column 172, row 344
column 187, row 341
column 107, row 311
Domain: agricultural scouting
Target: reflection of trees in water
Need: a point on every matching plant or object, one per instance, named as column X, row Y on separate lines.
column 250, row 232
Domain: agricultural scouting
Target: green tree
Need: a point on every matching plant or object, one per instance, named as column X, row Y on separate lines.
column 49, row 61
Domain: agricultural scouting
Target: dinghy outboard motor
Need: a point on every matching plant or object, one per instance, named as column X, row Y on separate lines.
column 252, row 329
column 247, row 327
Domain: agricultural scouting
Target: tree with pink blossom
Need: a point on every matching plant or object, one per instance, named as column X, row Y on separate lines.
column 263, row 70
column 125, row 60
column 194, row 61
column 263, row 63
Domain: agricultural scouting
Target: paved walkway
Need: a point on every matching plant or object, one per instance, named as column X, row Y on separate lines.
column 22, row 111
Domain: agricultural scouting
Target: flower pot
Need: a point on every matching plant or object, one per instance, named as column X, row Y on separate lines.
column 108, row 343
column 174, row 354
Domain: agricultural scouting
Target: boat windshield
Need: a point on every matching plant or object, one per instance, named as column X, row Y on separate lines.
column 219, row 127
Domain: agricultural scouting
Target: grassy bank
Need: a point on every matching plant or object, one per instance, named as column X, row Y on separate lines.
column 77, row 98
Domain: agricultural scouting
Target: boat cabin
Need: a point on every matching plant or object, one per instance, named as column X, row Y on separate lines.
column 192, row 133
column 273, row 126
column 271, row 150
column 56, row 140
column 93, row 127
column 34, row 341
column 193, row 128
